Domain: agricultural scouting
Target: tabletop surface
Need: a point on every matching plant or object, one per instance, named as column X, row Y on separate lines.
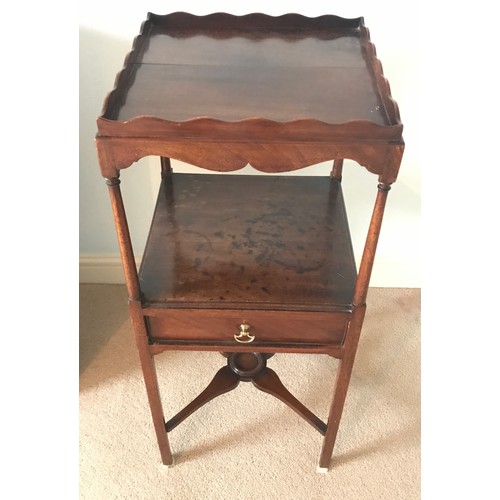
column 232, row 68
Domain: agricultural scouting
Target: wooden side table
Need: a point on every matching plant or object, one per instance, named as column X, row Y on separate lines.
column 249, row 266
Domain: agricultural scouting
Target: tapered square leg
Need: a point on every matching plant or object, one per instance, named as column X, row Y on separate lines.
column 151, row 381
column 341, row 385
column 153, row 391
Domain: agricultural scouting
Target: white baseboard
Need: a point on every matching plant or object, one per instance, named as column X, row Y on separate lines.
column 105, row 269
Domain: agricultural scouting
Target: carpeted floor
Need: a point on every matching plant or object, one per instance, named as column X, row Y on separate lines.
column 247, row 444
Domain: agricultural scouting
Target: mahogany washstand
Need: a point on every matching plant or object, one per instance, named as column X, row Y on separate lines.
column 250, row 265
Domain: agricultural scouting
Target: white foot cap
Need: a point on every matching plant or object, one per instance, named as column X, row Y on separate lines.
column 322, row 470
column 170, row 465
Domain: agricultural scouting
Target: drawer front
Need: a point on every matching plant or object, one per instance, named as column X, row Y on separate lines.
column 264, row 326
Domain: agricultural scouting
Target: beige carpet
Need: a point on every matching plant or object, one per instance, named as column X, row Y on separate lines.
column 247, row 444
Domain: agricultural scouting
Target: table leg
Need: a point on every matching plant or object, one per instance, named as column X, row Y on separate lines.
column 153, row 392
column 151, row 381
column 336, row 172
column 341, row 386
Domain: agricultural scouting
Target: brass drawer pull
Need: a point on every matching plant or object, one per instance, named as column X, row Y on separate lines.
column 244, row 336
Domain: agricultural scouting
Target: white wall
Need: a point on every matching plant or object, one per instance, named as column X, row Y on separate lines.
column 105, row 39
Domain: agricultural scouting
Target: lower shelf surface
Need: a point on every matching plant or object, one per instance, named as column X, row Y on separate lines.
column 272, row 240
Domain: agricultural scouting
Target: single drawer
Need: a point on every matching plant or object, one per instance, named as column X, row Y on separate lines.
column 263, row 326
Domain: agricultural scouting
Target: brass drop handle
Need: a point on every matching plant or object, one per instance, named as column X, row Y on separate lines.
column 244, row 336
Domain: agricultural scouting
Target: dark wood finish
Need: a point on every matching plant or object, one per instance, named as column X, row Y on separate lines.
column 228, row 96
column 161, row 345
column 269, row 382
column 341, row 386
column 247, row 367
column 368, row 257
column 308, row 84
column 166, row 167
column 225, row 380
column 124, row 241
column 245, row 242
column 247, row 364
column 203, row 66
column 267, row 326
column 336, row 172
column 265, row 260
column 151, row 381
column 378, row 156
